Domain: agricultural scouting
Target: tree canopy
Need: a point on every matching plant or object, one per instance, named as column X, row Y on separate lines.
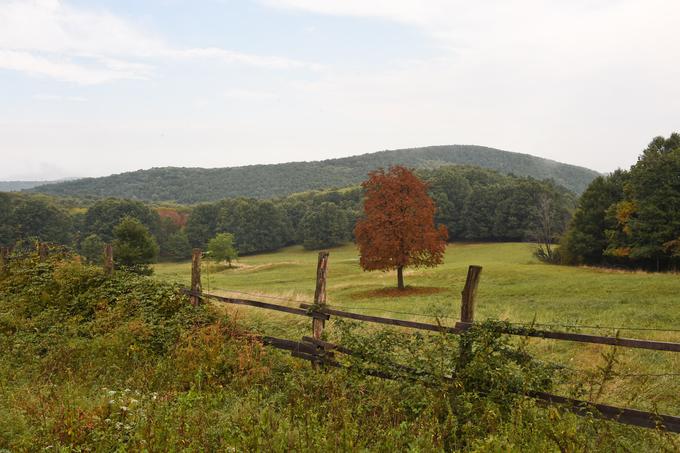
column 324, row 227
column 134, row 247
column 632, row 217
column 397, row 229
column 221, row 248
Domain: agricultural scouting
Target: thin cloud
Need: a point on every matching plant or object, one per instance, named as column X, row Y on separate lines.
column 58, row 98
column 63, row 69
column 49, row 38
column 250, row 95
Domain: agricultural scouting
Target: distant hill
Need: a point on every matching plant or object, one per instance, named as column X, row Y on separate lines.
column 15, row 186
column 192, row 185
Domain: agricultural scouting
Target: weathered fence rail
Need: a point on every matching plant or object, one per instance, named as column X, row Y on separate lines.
column 322, row 353
column 258, row 304
column 319, row 352
column 325, row 313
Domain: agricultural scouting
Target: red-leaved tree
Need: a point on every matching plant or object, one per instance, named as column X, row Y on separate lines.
column 397, row 229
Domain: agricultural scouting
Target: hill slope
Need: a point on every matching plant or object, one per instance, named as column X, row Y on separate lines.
column 191, row 185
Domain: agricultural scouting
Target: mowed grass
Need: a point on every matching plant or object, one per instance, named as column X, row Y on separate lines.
column 514, row 287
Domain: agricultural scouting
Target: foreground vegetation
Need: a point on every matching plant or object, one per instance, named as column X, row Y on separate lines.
column 96, row 363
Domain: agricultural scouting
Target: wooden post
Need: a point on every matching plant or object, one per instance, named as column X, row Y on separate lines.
column 320, row 292
column 42, row 251
column 195, row 275
column 4, row 259
column 467, row 307
column 467, row 311
column 108, row 259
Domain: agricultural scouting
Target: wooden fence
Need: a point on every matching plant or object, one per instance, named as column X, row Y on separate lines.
column 320, row 352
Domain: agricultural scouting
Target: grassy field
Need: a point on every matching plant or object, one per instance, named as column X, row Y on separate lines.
column 514, row 287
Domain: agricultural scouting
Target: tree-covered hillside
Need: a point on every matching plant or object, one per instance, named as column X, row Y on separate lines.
column 193, row 185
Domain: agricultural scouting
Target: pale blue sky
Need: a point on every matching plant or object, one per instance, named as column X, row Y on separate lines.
column 90, row 88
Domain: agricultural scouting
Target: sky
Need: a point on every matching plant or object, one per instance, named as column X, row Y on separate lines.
column 96, row 87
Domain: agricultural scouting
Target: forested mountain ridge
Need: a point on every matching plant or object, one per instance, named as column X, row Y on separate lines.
column 193, row 185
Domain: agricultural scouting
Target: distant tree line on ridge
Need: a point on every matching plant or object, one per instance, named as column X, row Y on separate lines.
column 197, row 185
column 474, row 204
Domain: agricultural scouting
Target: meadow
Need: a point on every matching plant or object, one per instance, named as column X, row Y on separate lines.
column 514, row 286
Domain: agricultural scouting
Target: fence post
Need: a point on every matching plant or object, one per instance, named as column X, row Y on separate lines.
column 467, row 307
column 320, row 292
column 4, row 259
column 195, row 275
column 42, row 251
column 108, row 259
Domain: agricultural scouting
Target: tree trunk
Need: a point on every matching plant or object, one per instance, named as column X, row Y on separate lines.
column 400, row 277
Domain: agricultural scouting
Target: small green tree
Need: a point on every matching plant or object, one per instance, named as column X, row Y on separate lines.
column 221, row 248
column 92, row 249
column 134, row 247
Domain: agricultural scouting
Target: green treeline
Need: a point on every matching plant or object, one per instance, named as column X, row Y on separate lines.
column 473, row 203
column 631, row 218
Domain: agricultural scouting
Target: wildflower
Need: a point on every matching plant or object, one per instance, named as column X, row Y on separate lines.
column 112, row 392
column 124, row 408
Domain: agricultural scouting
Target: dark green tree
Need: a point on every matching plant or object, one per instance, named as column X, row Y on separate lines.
column 479, row 212
column 649, row 217
column 177, row 246
column 325, row 226
column 134, row 247
column 103, row 216
column 92, row 249
column 631, row 218
column 585, row 240
column 202, row 224
column 40, row 219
